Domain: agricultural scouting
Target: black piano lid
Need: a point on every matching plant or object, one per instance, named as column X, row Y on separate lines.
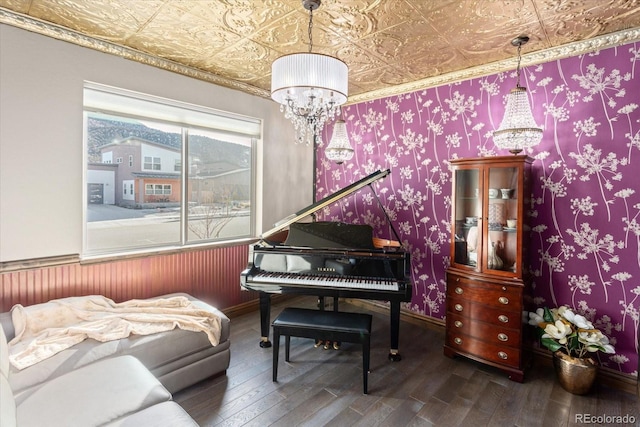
column 311, row 209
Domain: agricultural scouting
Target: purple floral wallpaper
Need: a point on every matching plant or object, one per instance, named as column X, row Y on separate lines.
column 585, row 211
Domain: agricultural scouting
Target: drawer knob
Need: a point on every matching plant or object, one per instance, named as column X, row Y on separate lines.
column 503, row 300
column 458, row 340
column 503, row 318
column 503, row 337
column 459, row 290
column 458, row 307
column 502, row 355
column 458, row 324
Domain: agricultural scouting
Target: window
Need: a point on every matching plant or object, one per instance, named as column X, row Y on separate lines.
column 157, row 189
column 163, row 204
column 152, row 163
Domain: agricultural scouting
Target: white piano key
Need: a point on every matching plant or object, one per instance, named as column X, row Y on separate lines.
column 326, row 281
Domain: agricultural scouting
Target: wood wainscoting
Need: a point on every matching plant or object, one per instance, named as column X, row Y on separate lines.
column 212, row 275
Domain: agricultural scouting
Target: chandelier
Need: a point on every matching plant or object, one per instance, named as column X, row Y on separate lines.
column 518, row 129
column 309, row 87
column 339, row 149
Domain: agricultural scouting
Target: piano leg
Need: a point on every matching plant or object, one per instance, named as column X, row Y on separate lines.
column 394, row 321
column 265, row 316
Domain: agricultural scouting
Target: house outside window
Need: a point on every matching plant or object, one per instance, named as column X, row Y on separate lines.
column 158, row 189
column 162, row 204
column 127, row 191
column 152, row 163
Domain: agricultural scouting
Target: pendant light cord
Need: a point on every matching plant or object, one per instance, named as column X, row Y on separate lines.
column 310, row 29
column 518, row 66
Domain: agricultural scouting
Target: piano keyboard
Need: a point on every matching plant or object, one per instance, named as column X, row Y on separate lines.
column 353, row 282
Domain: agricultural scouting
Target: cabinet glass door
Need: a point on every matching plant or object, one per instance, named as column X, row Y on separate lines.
column 501, row 246
column 468, row 208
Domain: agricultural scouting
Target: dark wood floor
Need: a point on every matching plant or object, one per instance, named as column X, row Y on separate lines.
column 324, row 387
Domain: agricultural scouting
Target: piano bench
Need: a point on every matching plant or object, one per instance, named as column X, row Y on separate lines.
column 322, row 325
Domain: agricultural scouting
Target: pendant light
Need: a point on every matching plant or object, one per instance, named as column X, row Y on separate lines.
column 339, row 149
column 309, row 87
column 518, row 129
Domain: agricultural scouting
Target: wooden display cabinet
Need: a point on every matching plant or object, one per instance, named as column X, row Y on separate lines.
column 488, row 282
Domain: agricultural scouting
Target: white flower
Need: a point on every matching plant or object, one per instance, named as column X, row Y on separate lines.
column 578, row 320
column 557, row 331
column 535, row 318
column 594, row 340
column 570, row 333
column 562, row 310
column 591, row 339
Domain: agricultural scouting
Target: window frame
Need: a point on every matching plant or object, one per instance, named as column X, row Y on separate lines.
column 226, row 119
column 158, row 189
column 155, row 163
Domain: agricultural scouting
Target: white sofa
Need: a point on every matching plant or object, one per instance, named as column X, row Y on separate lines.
column 122, row 382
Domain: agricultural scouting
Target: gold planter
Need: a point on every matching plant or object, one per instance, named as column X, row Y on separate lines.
column 574, row 374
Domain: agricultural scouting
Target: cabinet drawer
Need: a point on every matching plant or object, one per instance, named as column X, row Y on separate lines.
column 495, row 334
column 485, row 293
column 501, row 354
column 507, row 317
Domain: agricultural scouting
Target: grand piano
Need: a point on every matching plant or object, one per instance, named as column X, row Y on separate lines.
column 329, row 259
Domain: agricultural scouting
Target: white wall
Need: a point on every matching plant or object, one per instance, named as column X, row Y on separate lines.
column 41, row 152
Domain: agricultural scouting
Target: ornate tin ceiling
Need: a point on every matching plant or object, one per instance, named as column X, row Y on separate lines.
column 390, row 46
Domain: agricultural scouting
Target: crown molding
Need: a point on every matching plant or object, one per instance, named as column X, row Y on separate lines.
column 533, row 58
column 571, row 49
column 60, row 33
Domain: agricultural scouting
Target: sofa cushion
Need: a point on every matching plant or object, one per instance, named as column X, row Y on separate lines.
column 160, row 353
column 7, row 404
column 95, row 394
column 165, row 414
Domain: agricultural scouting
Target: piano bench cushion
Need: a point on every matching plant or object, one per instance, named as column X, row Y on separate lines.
column 308, row 323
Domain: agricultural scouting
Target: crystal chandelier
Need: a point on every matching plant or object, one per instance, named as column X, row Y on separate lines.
column 518, row 129
column 309, row 87
column 339, row 149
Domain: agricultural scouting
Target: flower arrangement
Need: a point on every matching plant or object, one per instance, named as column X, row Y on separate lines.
column 562, row 329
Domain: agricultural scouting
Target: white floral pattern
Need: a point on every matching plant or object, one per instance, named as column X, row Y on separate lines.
column 585, row 210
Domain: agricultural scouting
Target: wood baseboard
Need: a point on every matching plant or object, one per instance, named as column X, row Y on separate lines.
column 608, row 377
column 251, row 306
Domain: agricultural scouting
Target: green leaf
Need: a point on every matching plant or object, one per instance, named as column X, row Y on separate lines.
column 548, row 316
column 551, row 344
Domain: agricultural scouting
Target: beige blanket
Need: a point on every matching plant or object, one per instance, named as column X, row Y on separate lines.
column 43, row 330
